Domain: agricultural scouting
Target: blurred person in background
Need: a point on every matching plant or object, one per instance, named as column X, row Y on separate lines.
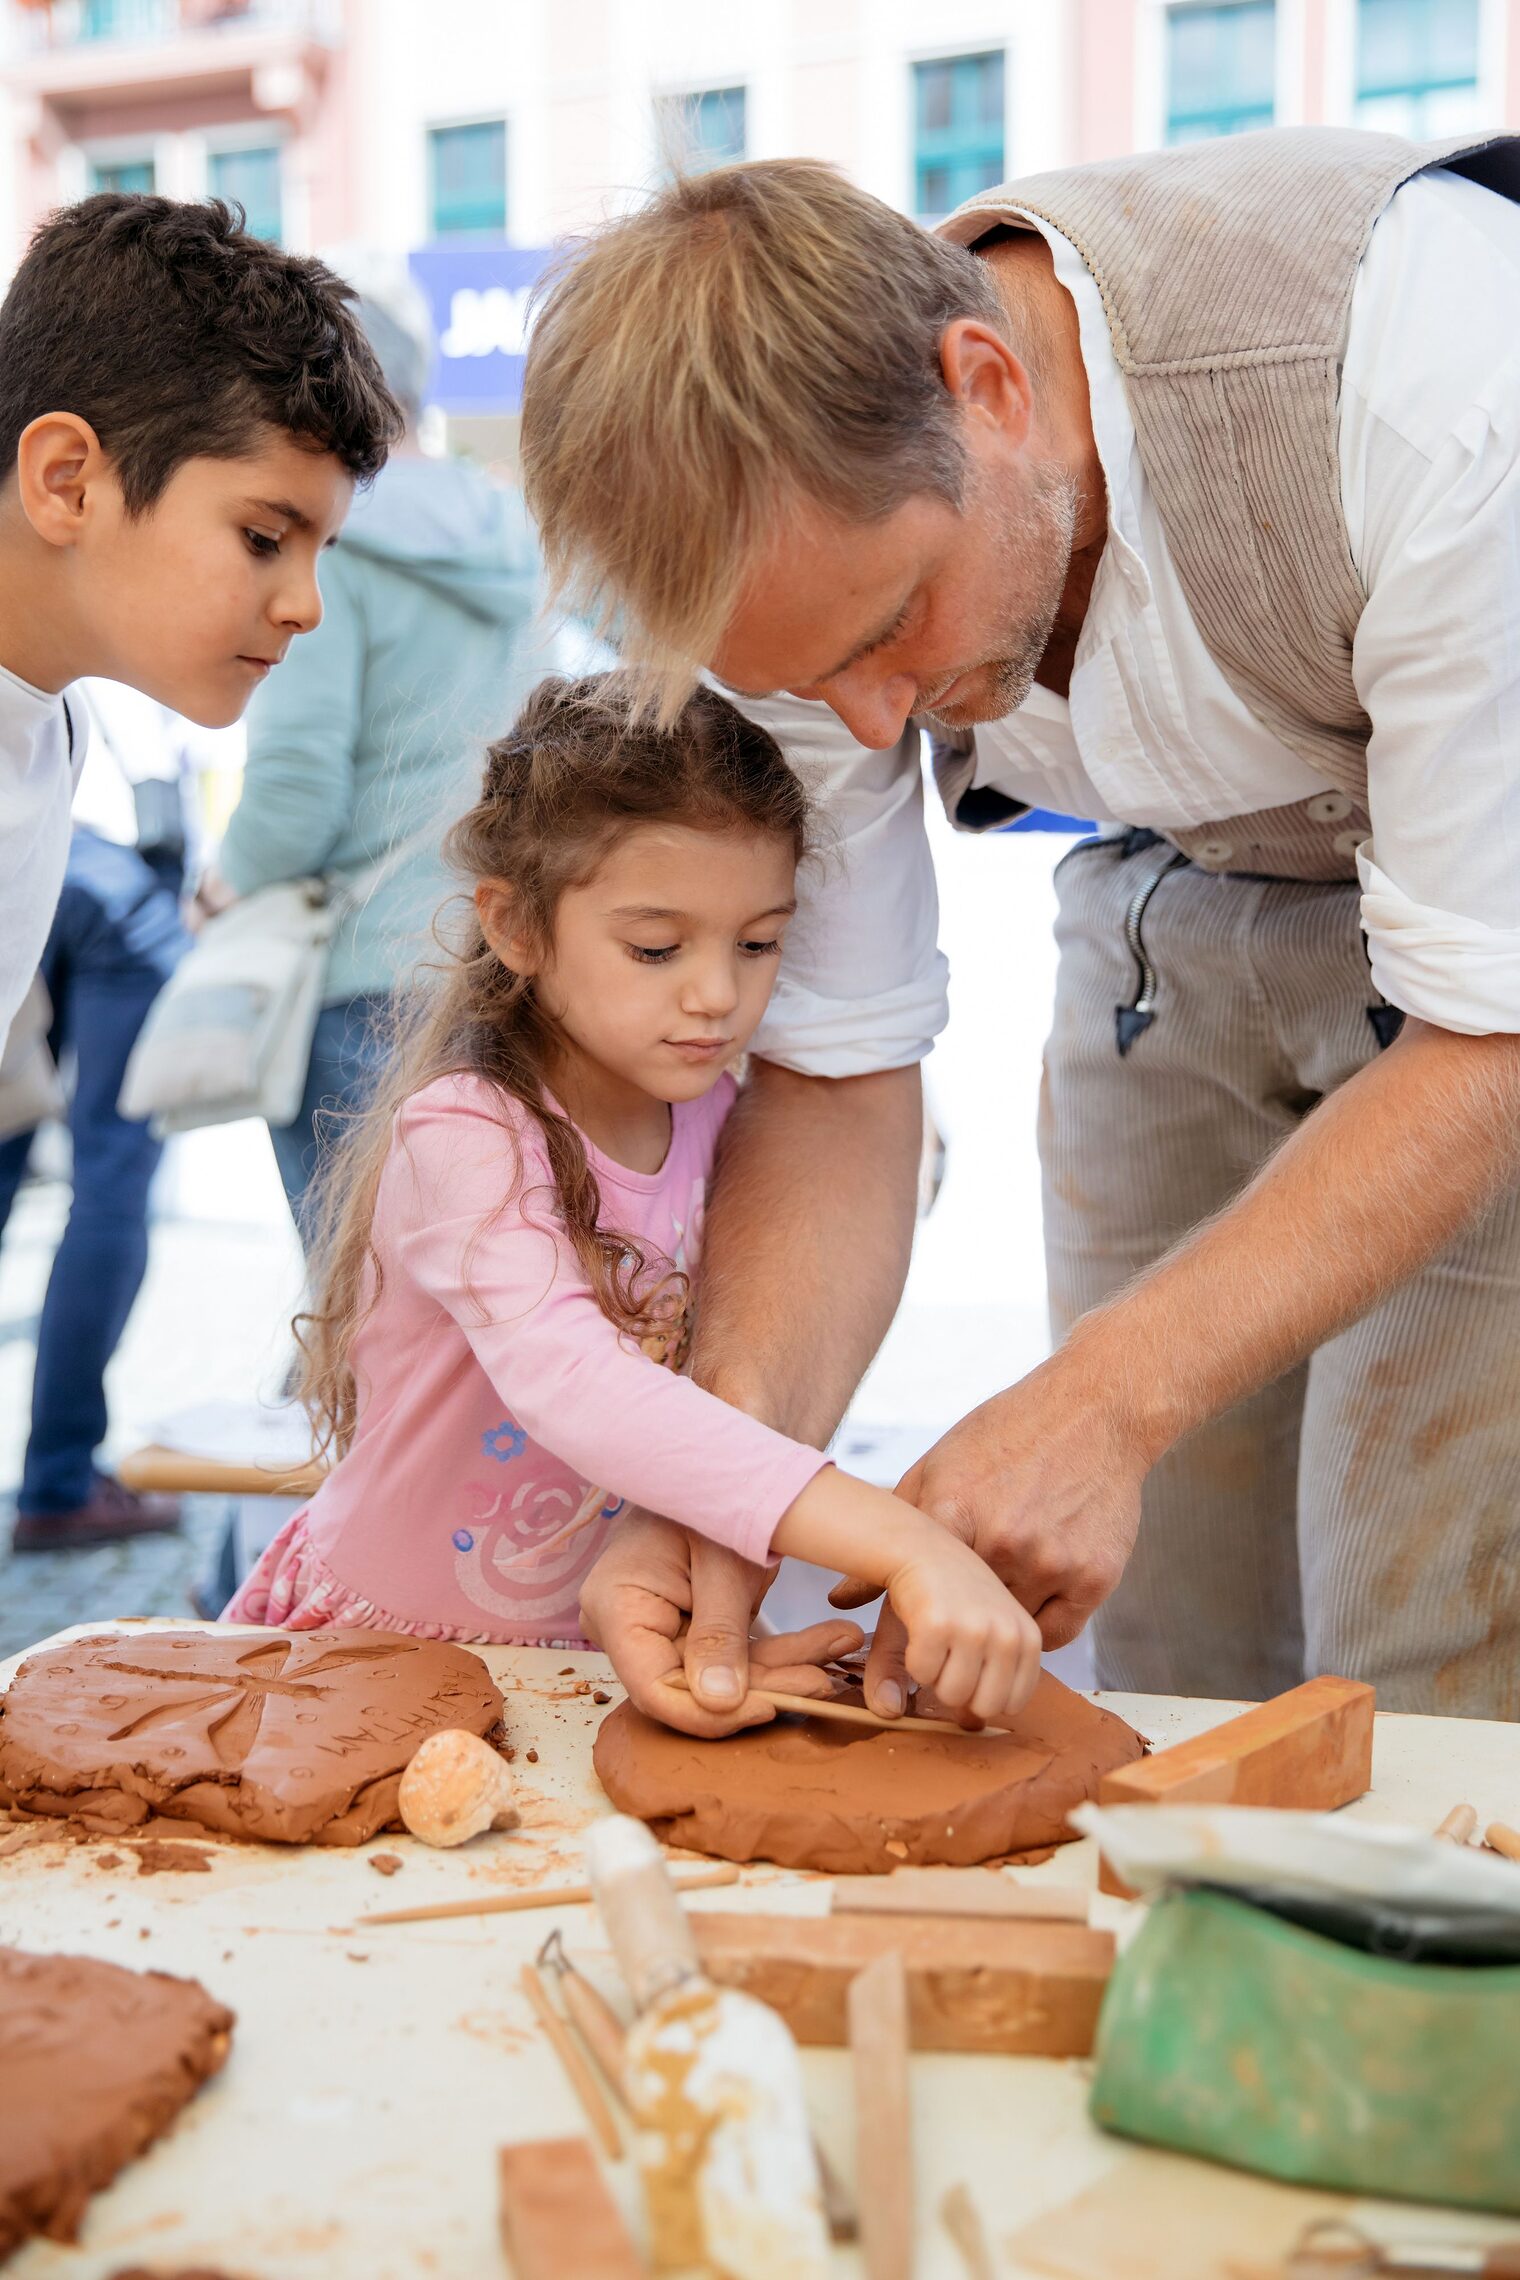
column 116, row 938
column 363, row 748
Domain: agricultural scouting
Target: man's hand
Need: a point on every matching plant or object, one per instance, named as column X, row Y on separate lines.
column 659, row 1602
column 1046, row 1486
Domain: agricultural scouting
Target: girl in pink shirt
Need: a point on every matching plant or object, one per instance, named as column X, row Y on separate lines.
column 514, row 1230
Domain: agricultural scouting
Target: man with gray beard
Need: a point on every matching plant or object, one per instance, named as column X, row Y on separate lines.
column 1181, row 490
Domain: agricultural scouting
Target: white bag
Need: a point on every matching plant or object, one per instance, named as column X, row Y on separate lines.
column 230, row 1033
column 30, row 1088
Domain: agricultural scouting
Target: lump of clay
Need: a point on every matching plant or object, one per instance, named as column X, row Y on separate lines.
column 299, row 1738
column 455, row 1787
column 850, row 1801
column 95, row 2063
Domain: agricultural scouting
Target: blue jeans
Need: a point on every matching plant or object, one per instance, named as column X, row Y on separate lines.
column 115, row 941
column 347, row 1056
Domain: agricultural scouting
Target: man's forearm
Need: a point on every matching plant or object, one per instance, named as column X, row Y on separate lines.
column 809, row 1230
column 1374, row 1183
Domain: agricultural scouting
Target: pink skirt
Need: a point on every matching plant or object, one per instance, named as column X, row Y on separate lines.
column 293, row 1589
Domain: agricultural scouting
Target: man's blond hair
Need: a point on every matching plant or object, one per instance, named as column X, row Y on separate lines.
column 754, row 337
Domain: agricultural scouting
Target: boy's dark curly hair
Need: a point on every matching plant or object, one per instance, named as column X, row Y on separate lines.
column 178, row 336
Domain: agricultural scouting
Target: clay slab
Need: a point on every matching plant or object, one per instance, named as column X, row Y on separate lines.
column 293, row 1737
column 839, row 1798
column 95, row 2062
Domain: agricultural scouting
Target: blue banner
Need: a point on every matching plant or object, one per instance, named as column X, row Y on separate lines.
column 479, row 298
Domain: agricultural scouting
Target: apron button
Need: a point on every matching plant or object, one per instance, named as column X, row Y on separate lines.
column 1327, row 807
column 1348, row 842
column 1215, row 850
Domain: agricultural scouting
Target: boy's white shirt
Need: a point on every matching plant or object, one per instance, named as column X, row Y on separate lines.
column 42, row 748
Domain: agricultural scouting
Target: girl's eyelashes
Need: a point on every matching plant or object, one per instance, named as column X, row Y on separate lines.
column 261, row 543
column 771, row 949
column 648, row 957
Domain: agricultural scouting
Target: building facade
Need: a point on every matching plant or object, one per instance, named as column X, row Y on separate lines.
column 469, row 135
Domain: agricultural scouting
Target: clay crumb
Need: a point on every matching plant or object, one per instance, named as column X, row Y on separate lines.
column 896, row 1847
column 155, row 1858
column 567, row 1672
column 108, row 1860
column 355, row 1956
column 386, row 1864
column 601, row 1695
column 532, row 1756
column 509, row 1753
column 144, row 1933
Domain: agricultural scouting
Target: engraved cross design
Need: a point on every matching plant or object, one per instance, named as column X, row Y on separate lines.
column 246, row 1692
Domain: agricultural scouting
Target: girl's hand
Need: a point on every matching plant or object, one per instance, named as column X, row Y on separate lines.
column 950, row 1620
column 967, row 1637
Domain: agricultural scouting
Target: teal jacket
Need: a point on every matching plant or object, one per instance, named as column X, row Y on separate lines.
column 372, row 730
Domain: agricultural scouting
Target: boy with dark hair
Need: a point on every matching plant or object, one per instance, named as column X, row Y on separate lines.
column 184, row 413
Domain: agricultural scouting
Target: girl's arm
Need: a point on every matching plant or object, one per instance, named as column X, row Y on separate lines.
column 578, row 1388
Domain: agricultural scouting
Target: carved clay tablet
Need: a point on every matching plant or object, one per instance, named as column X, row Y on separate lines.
column 300, row 1738
column 95, row 2063
column 847, row 1800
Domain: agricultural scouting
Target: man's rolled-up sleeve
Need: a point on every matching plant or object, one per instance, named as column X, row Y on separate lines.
column 1437, row 665
column 863, row 984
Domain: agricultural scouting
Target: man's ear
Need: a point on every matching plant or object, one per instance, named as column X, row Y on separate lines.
column 986, row 375
column 496, row 907
column 59, row 461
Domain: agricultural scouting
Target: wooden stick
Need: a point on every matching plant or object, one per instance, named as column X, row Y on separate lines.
column 575, row 2063
column 1501, row 1839
column 961, row 2219
column 878, row 2014
column 844, row 1713
column 543, row 1896
column 1459, row 1824
column 956, row 1892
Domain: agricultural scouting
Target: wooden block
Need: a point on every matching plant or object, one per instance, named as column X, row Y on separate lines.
column 1308, row 1751
column 558, row 2220
column 878, row 2015
column 972, row 1984
column 957, row 1892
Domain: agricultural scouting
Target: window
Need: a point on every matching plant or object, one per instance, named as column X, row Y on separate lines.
column 957, row 130
column 1417, row 65
column 468, row 168
column 1221, row 69
column 699, row 132
column 252, row 177
column 135, row 174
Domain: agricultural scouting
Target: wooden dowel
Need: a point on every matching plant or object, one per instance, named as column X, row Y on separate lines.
column 1459, row 1824
column 956, row 1892
column 1501, row 1839
column 575, row 2063
column 878, row 2015
column 959, row 2215
column 844, row 1713
column 544, row 1896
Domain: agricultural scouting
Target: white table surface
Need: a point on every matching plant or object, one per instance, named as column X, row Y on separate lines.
column 373, row 2073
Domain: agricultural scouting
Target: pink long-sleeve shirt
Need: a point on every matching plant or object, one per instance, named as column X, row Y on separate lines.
column 503, row 1421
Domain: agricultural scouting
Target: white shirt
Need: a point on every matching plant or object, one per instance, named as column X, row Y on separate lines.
column 39, row 762
column 1152, row 733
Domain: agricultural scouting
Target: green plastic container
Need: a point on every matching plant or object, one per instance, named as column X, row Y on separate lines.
column 1229, row 2033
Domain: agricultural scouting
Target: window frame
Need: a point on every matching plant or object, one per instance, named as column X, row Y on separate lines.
column 463, row 233
column 958, row 153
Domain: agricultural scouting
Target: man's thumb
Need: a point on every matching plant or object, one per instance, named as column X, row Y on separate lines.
column 716, row 1646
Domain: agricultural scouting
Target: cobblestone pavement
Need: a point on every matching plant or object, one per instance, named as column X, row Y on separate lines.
column 43, row 1592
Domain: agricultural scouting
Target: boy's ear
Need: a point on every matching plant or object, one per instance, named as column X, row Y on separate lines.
column 497, row 911
column 57, row 460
